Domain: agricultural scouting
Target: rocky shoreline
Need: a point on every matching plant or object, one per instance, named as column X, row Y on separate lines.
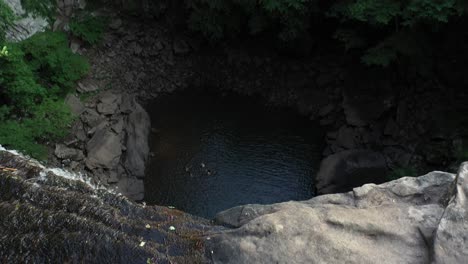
column 360, row 112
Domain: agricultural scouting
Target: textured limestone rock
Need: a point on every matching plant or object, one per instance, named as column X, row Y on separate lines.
column 347, row 169
column 389, row 223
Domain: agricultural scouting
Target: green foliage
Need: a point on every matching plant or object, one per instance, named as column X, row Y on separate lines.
column 20, row 90
column 34, row 78
column 394, row 21
column 402, row 172
column 42, row 8
column 89, row 28
column 52, row 62
column 6, row 18
column 219, row 18
column 49, row 122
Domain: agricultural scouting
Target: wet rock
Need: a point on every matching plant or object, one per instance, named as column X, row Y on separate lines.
column 132, row 188
column 137, row 128
column 113, row 177
column 66, row 219
column 76, row 106
column 347, row 169
column 64, row 152
column 104, row 150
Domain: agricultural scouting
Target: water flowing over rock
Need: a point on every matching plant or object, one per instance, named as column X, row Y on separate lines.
column 50, row 215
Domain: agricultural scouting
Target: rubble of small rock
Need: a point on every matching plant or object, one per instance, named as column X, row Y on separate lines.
column 109, row 140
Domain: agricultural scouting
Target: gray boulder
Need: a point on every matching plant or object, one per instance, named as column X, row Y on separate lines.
column 64, row 152
column 390, row 223
column 451, row 239
column 138, row 128
column 351, row 168
column 104, row 150
column 76, row 106
column 109, row 103
column 132, row 188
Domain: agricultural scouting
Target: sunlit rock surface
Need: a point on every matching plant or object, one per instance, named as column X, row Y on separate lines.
column 410, row 220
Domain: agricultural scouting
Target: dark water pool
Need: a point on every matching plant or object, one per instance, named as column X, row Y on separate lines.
column 212, row 153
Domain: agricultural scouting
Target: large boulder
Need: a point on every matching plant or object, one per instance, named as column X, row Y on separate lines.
column 451, row 239
column 104, row 150
column 138, row 128
column 342, row 171
column 390, row 223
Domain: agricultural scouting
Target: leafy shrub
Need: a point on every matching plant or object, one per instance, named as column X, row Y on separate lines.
column 34, row 77
column 49, row 122
column 217, row 19
column 43, row 8
column 20, row 91
column 6, row 18
column 393, row 28
column 54, row 65
column 89, row 28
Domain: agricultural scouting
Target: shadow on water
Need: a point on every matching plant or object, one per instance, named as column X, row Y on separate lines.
column 213, row 152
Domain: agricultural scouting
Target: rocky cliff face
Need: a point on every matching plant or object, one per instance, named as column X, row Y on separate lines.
column 26, row 26
column 50, row 215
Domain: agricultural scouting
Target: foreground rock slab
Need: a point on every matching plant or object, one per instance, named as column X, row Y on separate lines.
column 410, row 220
